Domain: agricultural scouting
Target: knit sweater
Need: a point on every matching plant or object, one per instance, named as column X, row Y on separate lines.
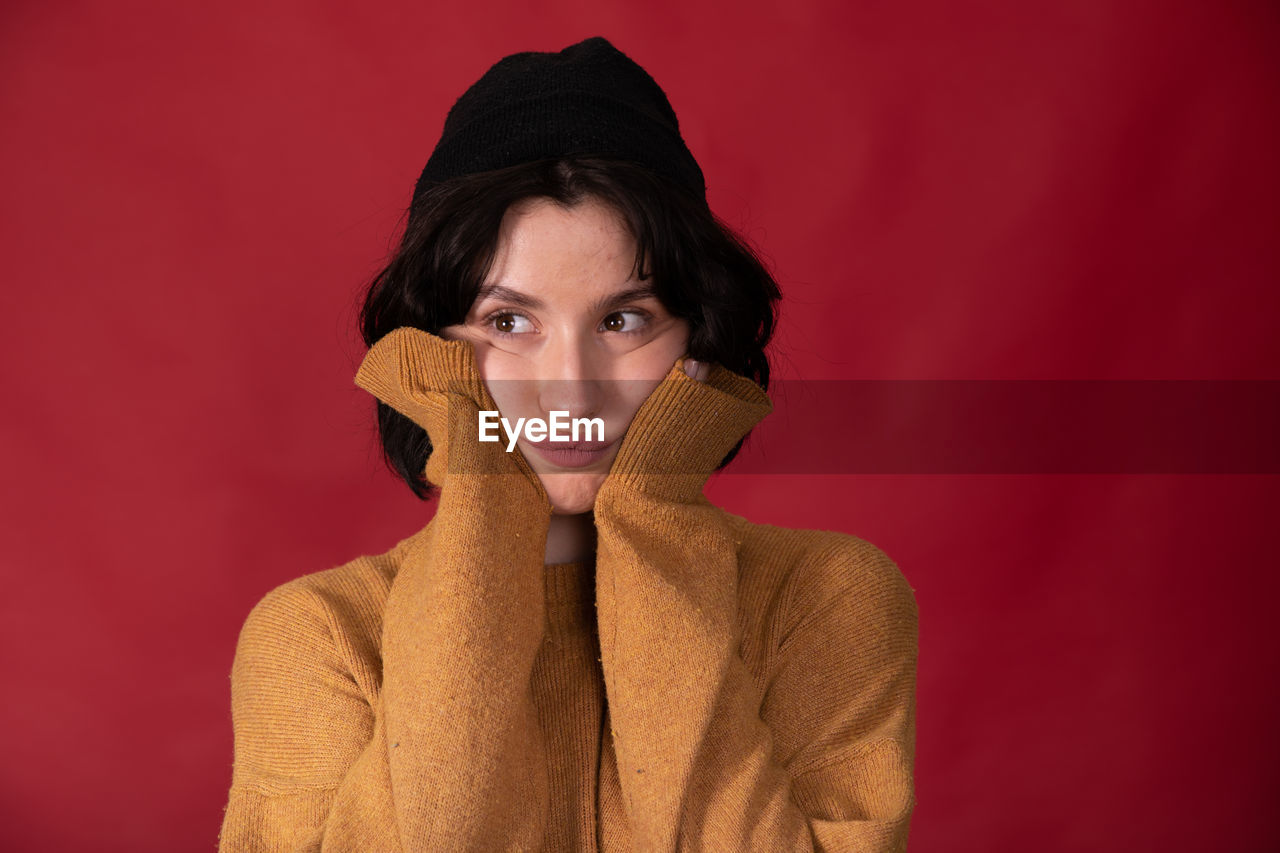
column 705, row 683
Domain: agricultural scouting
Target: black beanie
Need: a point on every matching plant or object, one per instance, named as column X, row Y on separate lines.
column 589, row 98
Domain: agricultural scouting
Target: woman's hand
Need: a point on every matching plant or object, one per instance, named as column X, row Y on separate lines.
column 698, row 370
column 683, row 430
column 464, row 618
column 436, row 383
column 666, row 589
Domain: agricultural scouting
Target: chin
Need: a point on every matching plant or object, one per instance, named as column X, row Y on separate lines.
column 572, row 494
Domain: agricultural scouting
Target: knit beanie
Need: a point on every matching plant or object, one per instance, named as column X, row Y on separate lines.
column 589, row 98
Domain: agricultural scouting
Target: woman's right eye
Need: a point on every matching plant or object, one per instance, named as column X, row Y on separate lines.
column 507, row 323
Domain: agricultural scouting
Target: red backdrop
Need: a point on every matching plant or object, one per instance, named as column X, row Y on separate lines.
column 194, row 195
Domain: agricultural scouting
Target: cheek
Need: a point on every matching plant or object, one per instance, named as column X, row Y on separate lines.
column 508, row 380
column 633, row 393
column 644, row 369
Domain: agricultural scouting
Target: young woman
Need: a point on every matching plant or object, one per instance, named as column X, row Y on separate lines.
column 579, row 651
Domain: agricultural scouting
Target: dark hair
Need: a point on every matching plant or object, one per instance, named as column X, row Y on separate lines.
column 702, row 271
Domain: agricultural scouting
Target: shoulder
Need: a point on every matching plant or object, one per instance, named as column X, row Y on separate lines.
column 328, row 620
column 341, row 597
column 307, row 674
column 815, row 572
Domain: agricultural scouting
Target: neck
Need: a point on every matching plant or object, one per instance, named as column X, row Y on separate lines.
column 571, row 539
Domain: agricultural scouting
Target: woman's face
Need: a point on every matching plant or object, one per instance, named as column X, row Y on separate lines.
column 560, row 324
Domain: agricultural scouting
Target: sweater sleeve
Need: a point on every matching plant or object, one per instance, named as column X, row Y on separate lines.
column 707, row 777
column 843, row 695
column 452, row 755
column 300, row 722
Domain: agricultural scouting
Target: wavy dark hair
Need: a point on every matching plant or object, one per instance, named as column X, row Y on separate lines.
column 703, row 272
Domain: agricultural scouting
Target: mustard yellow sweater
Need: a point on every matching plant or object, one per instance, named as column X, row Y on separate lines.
column 706, row 684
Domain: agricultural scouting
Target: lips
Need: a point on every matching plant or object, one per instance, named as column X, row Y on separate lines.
column 572, row 454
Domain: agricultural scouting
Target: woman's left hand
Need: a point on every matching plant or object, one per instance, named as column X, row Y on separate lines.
column 698, row 370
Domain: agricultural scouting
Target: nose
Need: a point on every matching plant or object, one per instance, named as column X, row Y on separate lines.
column 567, row 378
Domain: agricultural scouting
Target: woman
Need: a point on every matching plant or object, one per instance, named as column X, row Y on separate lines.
column 579, row 651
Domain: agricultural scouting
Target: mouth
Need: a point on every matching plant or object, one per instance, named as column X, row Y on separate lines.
column 576, row 454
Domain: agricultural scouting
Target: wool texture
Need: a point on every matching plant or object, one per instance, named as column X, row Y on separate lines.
column 589, row 98
column 705, row 683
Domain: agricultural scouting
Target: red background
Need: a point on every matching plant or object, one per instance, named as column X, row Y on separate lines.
column 194, row 195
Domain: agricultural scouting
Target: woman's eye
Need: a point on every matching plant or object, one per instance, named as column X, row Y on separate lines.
column 511, row 324
column 623, row 321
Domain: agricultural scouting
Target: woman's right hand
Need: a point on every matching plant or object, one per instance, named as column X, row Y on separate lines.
column 465, row 617
column 435, row 383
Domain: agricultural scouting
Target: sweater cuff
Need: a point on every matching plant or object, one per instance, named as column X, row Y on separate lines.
column 685, row 428
column 408, row 369
column 437, row 385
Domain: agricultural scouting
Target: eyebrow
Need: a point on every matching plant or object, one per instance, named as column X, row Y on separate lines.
column 507, row 294
column 524, row 300
column 639, row 291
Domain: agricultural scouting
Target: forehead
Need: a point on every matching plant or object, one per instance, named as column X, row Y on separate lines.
column 542, row 243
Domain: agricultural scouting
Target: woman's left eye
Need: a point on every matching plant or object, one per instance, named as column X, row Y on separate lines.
column 623, row 321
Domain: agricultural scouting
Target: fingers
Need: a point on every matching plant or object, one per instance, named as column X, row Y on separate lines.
column 697, row 369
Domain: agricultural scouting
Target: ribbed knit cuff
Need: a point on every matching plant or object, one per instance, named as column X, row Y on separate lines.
column 407, row 366
column 685, row 428
column 436, row 384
